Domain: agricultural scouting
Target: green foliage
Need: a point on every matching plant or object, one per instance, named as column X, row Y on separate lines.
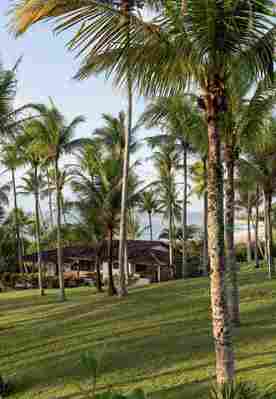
column 6, row 388
column 150, row 339
column 240, row 390
column 30, row 280
column 93, row 364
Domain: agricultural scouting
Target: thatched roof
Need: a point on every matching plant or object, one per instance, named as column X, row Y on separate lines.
column 139, row 251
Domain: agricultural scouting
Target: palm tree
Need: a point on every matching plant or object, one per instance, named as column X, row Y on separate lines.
column 181, row 121
column 119, row 142
column 246, row 190
column 192, row 42
column 57, row 138
column 32, row 184
column 260, row 164
column 166, row 160
column 244, row 117
column 199, row 177
column 11, row 160
column 98, row 183
column 148, row 204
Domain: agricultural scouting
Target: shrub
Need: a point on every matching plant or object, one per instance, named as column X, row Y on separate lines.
column 93, row 366
column 240, row 390
column 5, row 388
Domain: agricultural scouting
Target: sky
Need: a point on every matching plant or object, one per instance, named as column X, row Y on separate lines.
column 47, row 69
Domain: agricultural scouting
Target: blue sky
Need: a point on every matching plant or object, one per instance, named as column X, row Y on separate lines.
column 46, row 71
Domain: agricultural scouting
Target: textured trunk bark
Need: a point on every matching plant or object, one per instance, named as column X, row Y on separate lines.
column 128, row 128
column 50, row 200
column 17, row 227
column 220, row 315
column 256, row 248
column 267, row 196
column 185, row 271
column 234, row 297
column 38, row 234
column 59, row 248
column 249, row 243
column 150, row 226
column 206, row 267
column 111, row 287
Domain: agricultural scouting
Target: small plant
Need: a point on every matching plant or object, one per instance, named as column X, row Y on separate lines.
column 240, row 390
column 5, row 388
column 93, row 365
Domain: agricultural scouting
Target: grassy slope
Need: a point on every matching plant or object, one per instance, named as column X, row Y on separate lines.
column 158, row 338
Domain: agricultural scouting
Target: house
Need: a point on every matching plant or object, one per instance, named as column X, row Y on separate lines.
column 146, row 259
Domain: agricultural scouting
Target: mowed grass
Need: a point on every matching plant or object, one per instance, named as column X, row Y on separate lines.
column 158, row 338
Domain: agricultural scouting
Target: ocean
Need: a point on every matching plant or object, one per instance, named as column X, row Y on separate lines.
column 158, row 224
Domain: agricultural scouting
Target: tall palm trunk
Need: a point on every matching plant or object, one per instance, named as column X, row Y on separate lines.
column 98, row 271
column 205, row 209
column 38, row 233
column 220, row 315
column 50, row 200
column 185, row 271
column 171, row 236
column 17, row 227
column 59, row 248
column 249, row 243
column 111, row 287
column 128, row 127
column 256, row 248
column 150, row 226
column 234, row 297
column 268, row 200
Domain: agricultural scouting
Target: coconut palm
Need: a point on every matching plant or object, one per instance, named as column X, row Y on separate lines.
column 57, row 138
column 11, row 160
column 246, row 193
column 181, row 122
column 148, row 204
column 243, row 119
column 188, row 42
column 98, row 183
column 199, row 178
column 32, row 183
column 119, row 143
column 166, row 161
column 260, row 163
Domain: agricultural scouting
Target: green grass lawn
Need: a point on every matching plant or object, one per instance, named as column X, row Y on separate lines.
column 159, row 338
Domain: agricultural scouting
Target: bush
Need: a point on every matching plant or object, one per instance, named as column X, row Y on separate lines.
column 5, row 388
column 240, row 390
column 93, row 366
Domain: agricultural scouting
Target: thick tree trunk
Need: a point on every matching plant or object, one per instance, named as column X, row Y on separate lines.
column 256, row 248
column 206, row 267
column 111, row 287
column 123, row 232
column 234, row 297
column 50, row 200
column 150, row 226
column 220, row 315
column 267, row 196
column 38, row 234
column 17, row 227
column 59, row 248
column 185, row 271
column 249, row 243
